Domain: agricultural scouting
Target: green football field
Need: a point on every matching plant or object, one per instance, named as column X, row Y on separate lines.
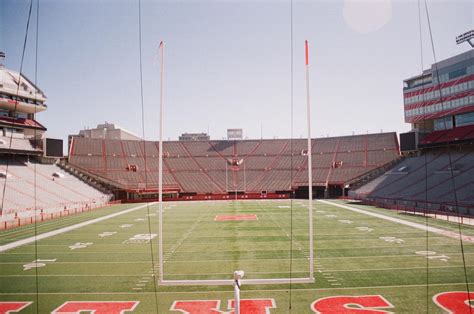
column 357, row 254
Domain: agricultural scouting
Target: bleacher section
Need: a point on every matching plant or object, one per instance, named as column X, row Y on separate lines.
column 205, row 167
column 425, row 179
column 55, row 190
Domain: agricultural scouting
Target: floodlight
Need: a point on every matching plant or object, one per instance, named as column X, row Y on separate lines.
column 467, row 36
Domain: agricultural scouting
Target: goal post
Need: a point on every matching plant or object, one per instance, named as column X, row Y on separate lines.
column 162, row 280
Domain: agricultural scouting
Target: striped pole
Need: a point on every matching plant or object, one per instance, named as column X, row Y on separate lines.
column 160, row 165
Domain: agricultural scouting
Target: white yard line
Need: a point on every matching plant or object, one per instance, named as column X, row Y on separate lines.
column 443, row 232
column 227, row 291
column 246, row 260
column 15, row 244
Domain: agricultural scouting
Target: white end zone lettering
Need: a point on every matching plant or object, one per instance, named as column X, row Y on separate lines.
column 96, row 307
column 454, row 302
column 365, row 304
column 12, row 307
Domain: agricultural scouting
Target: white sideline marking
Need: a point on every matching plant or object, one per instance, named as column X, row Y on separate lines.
column 15, row 244
column 403, row 222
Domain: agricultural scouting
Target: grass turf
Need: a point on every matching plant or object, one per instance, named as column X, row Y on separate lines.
column 349, row 260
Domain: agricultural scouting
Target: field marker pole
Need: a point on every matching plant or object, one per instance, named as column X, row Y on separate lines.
column 310, row 166
column 160, row 166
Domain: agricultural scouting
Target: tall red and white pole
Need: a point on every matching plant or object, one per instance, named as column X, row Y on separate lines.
column 310, row 165
column 161, row 51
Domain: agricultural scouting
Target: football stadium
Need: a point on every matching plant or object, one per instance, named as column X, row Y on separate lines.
column 121, row 219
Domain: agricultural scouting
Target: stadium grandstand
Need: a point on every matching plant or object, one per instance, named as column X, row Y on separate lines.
column 437, row 173
column 31, row 182
column 246, row 168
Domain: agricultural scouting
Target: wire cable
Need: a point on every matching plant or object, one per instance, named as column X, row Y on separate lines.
column 292, row 195
column 451, row 170
column 144, row 151
column 425, row 165
column 34, row 165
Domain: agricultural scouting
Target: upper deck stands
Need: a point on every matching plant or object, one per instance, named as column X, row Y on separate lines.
column 244, row 148
column 463, row 133
column 21, row 122
column 13, row 144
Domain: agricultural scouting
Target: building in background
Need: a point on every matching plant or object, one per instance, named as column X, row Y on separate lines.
column 20, row 101
column 109, row 131
column 194, row 137
column 235, row 134
column 440, row 102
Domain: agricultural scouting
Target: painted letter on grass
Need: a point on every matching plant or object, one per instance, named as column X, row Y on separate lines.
column 366, row 304
column 96, row 307
column 248, row 306
column 12, row 307
column 454, row 302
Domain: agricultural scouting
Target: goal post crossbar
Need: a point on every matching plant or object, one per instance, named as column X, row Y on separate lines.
column 226, row 282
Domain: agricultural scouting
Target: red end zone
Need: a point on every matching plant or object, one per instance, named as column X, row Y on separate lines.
column 235, row 217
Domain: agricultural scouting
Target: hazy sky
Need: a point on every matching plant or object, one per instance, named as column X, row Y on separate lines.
column 228, row 62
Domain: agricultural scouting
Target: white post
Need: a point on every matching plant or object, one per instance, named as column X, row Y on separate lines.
column 245, row 180
column 238, row 275
column 160, row 165
column 237, row 297
column 226, row 179
column 310, row 166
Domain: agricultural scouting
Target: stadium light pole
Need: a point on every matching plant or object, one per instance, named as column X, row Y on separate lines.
column 466, row 37
column 160, row 164
column 310, row 164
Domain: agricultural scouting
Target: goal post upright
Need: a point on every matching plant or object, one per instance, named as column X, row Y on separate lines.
column 160, row 167
column 310, row 166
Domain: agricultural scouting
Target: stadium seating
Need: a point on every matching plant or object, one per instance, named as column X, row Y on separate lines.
column 462, row 133
column 55, row 190
column 426, row 178
column 225, row 166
